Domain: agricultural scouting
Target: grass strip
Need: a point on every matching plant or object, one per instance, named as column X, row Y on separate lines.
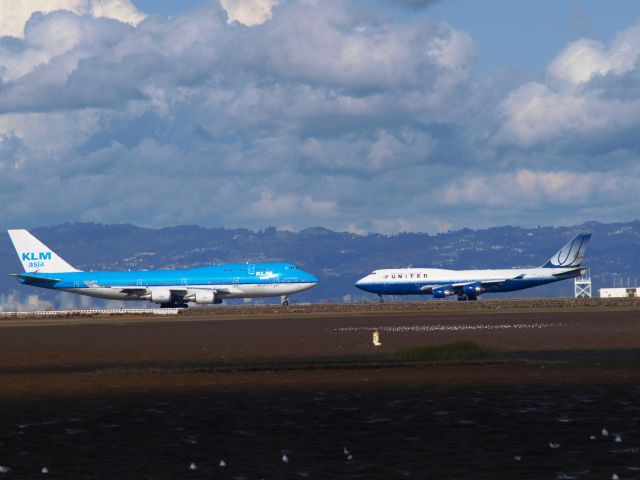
column 454, row 353
column 460, row 351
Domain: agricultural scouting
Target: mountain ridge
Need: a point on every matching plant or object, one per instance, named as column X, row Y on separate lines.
column 338, row 259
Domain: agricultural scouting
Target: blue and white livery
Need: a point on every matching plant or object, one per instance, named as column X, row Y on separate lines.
column 468, row 284
column 170, row 288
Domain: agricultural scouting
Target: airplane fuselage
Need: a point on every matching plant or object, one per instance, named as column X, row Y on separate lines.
column 225, row 281
column 417, row 281
column 468, row 284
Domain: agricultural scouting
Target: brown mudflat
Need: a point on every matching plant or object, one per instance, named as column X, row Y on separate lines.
column 120, row 397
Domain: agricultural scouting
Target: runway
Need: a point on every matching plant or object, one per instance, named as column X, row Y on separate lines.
column 135, row 398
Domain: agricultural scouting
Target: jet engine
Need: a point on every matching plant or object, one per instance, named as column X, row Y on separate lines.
column 442, row 292
column 473, row 289
column 202, row 297
column 161, row 296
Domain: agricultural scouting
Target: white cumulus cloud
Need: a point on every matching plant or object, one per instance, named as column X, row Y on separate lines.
column 534, row 188
column 536, row 113
column 14, row 14
column 271, row 205
column 582, row 98
column 249, row 12
column 330, row 113
column 121, row 10
column 581, row 60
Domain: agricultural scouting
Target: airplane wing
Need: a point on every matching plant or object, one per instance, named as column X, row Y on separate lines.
column 134, row 291
column 214, row 290
column 459, row 287
column 36, row 279
column 428, row 289
column 145, row 290
column 487, row 284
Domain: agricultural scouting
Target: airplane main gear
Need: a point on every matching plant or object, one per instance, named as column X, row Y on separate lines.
column 174, row 305
column 464, row 298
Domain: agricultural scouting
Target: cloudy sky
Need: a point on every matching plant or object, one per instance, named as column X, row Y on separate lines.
column 361, row 115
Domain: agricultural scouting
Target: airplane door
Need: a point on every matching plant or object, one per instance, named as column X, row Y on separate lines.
column 251, row 269
column 139, row 282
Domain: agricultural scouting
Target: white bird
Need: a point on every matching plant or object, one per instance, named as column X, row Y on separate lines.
column 285, row 459
column 592, row 437
column 349, row 457
column 222, row 463
column 517, row 458
column 193, row 466
column 618, row 439
column 615, row 477
column 44, row 470
column 605, row 432
column 554, row 445
column 4, row 469
column 345, row 451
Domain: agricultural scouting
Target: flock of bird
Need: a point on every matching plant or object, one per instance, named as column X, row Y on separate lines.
column 605, row 434
column 285, row 458
column 192, row 466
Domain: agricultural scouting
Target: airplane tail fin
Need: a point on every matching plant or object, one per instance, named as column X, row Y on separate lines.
column 571, row 254
column 35, row 256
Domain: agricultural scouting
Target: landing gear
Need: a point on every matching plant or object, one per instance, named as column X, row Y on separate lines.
column 285, row 300
column 464, row 298
column 174, row 305
column 380, row 299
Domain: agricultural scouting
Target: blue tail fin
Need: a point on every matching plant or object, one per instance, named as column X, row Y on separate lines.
column 571, row 254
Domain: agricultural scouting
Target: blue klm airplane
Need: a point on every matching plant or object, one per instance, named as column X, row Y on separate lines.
column 170, row 288
column 468, row 284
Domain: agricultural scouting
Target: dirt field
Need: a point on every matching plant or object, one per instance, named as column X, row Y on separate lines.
column 130, row 397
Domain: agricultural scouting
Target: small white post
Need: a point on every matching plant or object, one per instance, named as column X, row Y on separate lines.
column 376, row 338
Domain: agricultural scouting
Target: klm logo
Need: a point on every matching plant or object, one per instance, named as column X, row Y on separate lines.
column 30, row 256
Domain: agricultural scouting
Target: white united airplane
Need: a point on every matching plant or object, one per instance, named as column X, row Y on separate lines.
column 468, row 284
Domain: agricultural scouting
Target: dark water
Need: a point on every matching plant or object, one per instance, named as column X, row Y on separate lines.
column 428, row 432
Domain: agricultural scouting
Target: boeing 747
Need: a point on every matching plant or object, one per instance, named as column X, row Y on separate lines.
column 169, row 288
column 468, row 284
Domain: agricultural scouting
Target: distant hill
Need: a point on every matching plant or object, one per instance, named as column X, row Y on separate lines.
column 338, row 259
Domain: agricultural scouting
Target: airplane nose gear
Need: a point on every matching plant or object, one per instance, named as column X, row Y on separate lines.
column 380, row 299
column 285, row 300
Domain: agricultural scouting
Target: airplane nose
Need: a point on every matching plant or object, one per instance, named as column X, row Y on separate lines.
column 311, row 278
